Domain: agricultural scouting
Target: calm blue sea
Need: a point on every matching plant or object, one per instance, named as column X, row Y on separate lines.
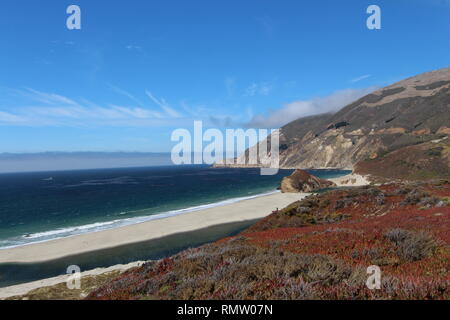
column 36, row 207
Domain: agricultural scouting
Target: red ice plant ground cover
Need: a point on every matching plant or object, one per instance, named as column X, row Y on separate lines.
column 317, row 248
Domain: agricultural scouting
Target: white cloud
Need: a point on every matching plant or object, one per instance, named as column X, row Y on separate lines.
column 297, row 109
column 360, row 78
column 54, row 109
column 6, row 117
column 133, row 47
column 48, row 98
column 251, row 90
column 139, row 113
column 126, row 94
column 254, row 89
column 164, row 105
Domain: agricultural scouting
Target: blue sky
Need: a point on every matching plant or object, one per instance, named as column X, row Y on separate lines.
column 137, row 69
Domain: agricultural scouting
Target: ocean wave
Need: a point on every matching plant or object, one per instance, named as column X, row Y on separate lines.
column 44, row 236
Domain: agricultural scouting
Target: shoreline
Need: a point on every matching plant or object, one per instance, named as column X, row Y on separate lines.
column 17, row 275
column 270, row 201
column 92, row 227
column 249, row 209
column 119, row 223
column 25, row 288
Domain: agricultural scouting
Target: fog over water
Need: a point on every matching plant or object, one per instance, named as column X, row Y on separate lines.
column 55, row 161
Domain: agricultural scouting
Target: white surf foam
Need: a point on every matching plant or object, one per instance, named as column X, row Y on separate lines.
column 40, row 237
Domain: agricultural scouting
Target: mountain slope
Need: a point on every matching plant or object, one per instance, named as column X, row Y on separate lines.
column 409, row 112
column 429, row 160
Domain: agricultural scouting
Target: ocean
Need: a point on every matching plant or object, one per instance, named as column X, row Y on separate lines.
column 37, row 207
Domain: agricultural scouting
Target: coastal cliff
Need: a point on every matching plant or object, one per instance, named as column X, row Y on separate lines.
column 319, row 247
column 409, row 112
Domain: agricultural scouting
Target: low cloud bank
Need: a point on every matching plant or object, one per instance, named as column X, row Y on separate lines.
column 58, row 161
column 297, row 109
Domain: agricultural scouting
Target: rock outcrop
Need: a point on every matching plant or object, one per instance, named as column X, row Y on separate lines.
column 302, row 181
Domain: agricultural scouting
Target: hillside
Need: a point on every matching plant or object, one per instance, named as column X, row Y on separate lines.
column 429, row 160
column 409, row 112
column 317, row 248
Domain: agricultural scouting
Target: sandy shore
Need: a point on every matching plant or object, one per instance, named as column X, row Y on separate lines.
column 250, row 209
column 240, row 211
column 22, row 289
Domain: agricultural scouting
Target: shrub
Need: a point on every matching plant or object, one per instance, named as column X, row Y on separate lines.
column 412, row 246
column 326, row 270
column 296, row 290
column 397, row 235
column 403, row 190
column 357, row 278
column 431, row 202
column 415, row 196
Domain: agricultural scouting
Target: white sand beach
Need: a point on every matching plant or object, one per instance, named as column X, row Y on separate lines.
column 351, row 180
column 249, row 209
